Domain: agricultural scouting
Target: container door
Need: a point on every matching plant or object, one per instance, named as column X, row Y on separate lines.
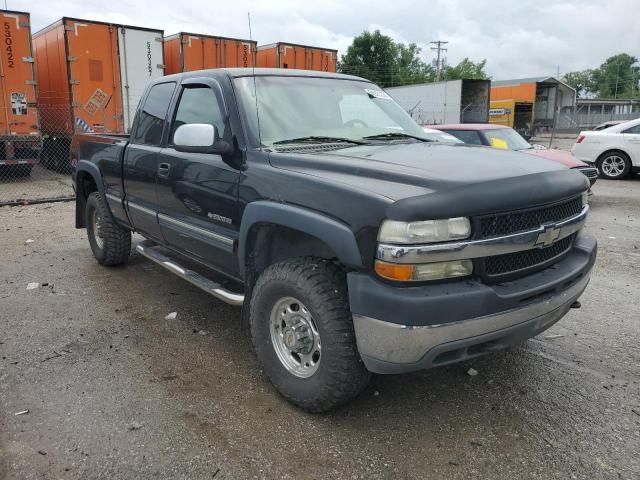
column 141, row 61
column 211, row 48
column 94, row 75
column 192, row 53
column 243, row 53
column 18, row 99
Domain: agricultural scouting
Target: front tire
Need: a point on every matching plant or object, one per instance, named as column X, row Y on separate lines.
column 614, row 165
column 110, row 243
column 302, row 332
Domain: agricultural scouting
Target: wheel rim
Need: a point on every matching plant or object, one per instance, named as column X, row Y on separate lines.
column 97, row 229
column 613, row 165
column 295, row 337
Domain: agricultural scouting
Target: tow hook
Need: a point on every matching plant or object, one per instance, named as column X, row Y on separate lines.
column 576, row 304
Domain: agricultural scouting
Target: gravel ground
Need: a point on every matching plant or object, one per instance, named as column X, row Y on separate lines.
column 114, row 390
column 41, row 184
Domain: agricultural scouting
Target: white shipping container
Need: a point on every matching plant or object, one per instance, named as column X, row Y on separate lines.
column 141, row 61
column 453, row 101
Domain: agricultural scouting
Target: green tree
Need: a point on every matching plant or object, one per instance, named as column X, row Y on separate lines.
column 379, row 58
column 410, row 68
column 372, row 55
column 617, row 77
column 581, row 82
column 466, row 69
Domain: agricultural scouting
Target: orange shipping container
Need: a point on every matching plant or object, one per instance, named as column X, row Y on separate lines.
column 18, row 119
column 91, row 76
column 290, row 55
column 185, row 52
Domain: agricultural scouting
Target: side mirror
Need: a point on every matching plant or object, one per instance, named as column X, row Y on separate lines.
column 200, row 138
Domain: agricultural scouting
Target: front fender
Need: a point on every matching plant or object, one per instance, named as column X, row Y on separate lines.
column 338, row 236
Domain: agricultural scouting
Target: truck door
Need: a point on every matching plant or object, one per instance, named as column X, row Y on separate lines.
column 197, row 192
column 140, row 170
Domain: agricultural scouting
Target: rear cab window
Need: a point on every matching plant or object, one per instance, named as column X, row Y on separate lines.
column 151, row 116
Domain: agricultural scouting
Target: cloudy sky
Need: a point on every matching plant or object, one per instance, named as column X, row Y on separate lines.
column 518, row 38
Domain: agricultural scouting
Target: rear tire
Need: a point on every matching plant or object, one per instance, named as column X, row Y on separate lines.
column 110, row 243
column 302, row 332
column 614, row 165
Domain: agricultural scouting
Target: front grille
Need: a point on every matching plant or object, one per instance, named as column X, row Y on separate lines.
column 516, row 262
column 520, row 221
column 588, row 172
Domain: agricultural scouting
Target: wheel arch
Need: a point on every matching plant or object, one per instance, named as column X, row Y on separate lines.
column 278, row 231
column 88, row 179
column 613, row 150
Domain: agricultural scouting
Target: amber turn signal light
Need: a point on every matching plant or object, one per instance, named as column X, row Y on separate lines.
column 394, row 271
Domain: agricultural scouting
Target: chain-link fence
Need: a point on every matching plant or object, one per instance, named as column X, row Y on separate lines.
column 34, row 159
column 584, row 118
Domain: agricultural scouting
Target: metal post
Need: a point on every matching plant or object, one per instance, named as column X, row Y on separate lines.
column 555, row 115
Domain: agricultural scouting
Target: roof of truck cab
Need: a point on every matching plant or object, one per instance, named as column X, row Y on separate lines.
column 279, row 72
column 468, row 126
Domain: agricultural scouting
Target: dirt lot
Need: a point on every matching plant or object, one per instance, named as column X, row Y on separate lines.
column 41, row 184
column 113, row 390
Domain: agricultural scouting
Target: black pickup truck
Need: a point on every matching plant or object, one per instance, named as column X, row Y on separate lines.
column 353, row 243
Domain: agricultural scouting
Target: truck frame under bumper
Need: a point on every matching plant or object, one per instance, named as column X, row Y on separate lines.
column 438, row 329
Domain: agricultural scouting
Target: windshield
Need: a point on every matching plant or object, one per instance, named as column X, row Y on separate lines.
column 507, row 139
column 438, row 136
column 299, row 107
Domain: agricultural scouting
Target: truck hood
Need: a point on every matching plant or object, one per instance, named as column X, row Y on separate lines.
column 404, row 170
column 424, row 180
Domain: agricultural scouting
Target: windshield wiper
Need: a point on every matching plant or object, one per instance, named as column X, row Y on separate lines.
column 320, row 139
column 395, row 135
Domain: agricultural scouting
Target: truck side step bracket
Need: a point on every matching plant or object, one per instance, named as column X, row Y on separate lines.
column 156, row 253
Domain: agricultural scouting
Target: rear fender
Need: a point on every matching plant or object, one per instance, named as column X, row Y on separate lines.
column 84, row 169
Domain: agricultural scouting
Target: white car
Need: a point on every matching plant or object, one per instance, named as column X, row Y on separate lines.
column 615, row 151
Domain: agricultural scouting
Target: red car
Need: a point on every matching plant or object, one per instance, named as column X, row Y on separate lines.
column 499, row 136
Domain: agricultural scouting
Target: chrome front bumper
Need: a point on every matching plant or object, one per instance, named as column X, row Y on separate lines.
column 393, row 348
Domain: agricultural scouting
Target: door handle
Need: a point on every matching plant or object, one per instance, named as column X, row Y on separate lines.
column 163, row 170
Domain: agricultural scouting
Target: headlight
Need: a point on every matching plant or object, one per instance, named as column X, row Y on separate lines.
column 428, row 231
column 423, row 272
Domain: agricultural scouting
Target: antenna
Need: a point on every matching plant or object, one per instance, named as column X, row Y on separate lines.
column 255, row 87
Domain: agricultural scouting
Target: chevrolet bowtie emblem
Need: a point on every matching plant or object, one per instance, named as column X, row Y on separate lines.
column 550, row 234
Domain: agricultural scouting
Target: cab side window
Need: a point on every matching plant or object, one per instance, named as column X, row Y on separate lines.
column 635, row 130
column 152, row 115
column 198, row 105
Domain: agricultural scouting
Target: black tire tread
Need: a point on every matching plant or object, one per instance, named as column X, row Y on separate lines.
column 116, row 239
column 325, row 282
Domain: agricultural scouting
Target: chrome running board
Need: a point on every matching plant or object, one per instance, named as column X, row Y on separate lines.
column 153, row 253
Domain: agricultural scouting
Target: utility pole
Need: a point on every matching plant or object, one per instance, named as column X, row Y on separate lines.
column 440, row 50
